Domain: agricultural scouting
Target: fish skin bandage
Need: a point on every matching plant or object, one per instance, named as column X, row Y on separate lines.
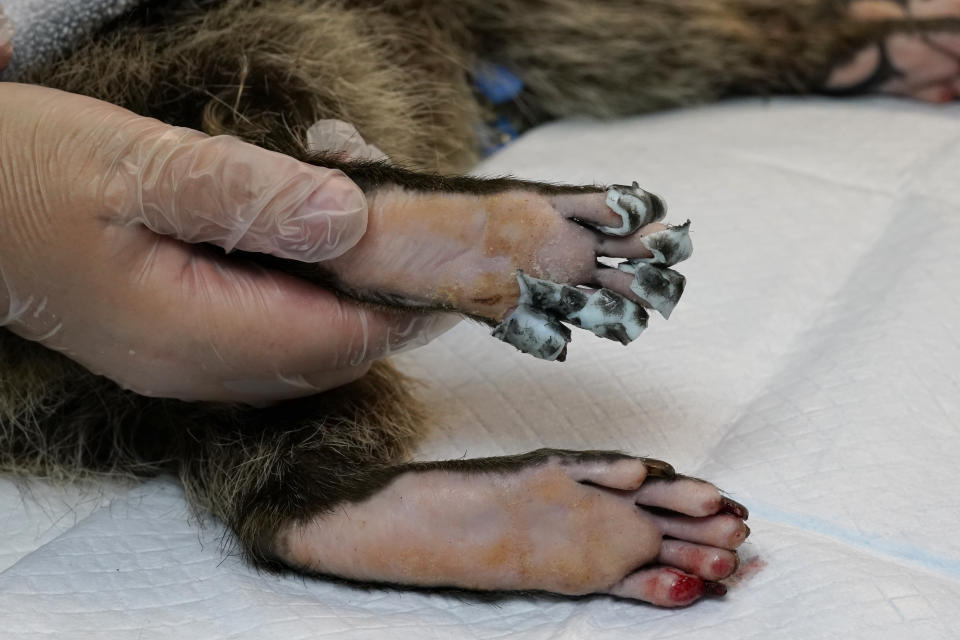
column 535, row 325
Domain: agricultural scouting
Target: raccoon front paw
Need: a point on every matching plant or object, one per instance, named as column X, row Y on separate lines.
column 566, row 522
column 525, row 259
column 920, row 61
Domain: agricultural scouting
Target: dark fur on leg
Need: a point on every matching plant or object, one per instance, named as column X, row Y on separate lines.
column 373, row 175
column 252, row 468
column 622, row 57
column 399, row 69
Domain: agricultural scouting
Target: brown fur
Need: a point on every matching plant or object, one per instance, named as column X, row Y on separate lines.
column 399, row 71
column 250, row 467
column 265, row 71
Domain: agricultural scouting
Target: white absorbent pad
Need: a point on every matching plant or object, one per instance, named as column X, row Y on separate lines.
column 812, row 370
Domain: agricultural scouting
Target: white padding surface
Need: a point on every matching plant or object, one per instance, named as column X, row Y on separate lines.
column 812, row 370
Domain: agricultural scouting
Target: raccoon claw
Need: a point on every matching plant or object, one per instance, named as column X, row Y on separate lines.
column 734, row 508
column 659, row 469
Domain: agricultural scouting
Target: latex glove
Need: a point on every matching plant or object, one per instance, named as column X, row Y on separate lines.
column 6, row 40
column 342, row 138
column 97, row 207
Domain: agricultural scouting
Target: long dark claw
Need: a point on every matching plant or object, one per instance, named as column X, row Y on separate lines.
column 733, row 508
column 659, row 469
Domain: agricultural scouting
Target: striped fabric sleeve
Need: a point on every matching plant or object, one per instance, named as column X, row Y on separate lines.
column 44, row 28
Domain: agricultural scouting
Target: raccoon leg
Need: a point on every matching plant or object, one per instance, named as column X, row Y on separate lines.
column 521, row 254
column 921, row 63
column 621, row 57
column 571, row 523
column 319, row 485
column 257, row 468
column 58, row 420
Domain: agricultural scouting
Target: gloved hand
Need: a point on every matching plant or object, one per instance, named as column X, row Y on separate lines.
column 6, row 40
column 97, row 210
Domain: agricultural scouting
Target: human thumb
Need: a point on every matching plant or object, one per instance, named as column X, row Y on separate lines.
column 182, row 183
